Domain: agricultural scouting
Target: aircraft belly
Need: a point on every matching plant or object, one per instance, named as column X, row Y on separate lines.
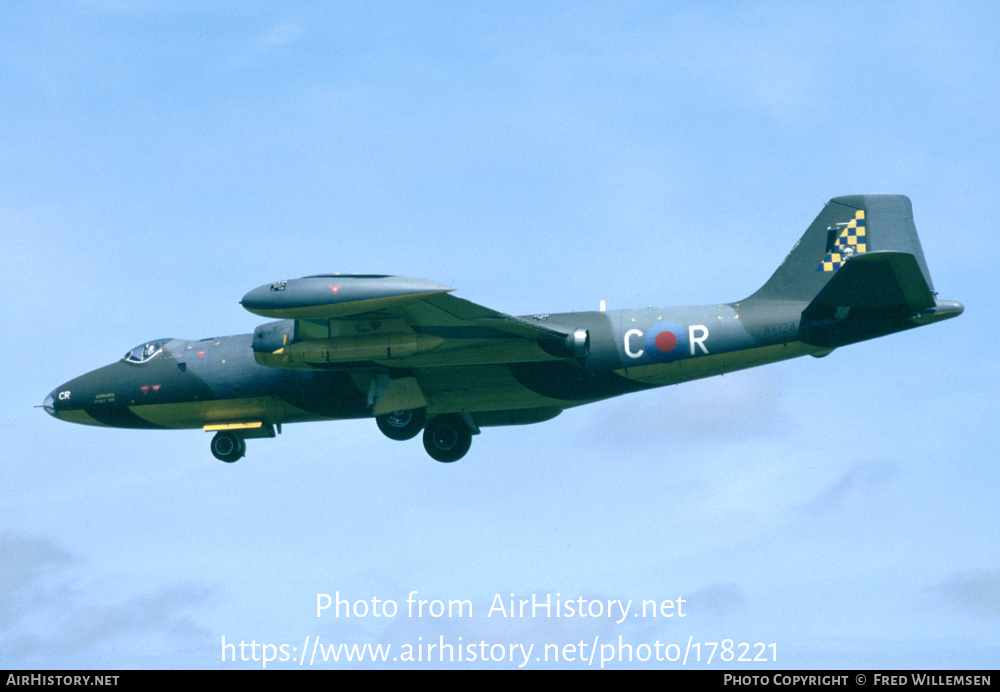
column 481, row 388
column 325, row 395
column 560, row 384
column 195, row 414
column 660, row 374
column 82, row 417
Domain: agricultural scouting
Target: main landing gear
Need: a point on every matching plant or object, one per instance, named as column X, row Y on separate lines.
column 447, row 437
column 402, row 425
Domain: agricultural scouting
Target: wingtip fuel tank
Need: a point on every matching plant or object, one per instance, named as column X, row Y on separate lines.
column 336, row 295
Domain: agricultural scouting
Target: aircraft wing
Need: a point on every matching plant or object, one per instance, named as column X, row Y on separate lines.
column 443, row 310
column 331, row 320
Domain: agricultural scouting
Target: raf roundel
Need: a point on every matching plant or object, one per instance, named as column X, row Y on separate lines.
column 666, row 341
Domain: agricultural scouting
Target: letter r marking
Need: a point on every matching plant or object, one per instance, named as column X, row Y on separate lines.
column 698, row 341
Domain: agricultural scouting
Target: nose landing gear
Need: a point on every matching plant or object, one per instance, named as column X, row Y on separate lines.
column 230, row 441
column 228, row 447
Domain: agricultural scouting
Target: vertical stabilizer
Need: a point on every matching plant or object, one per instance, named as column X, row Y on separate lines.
column 846, row 227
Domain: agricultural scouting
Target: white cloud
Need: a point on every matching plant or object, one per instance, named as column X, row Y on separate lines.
column 47, row 621
column 978, row 594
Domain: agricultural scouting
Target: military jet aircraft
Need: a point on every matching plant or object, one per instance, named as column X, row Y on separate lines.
column 416, row 358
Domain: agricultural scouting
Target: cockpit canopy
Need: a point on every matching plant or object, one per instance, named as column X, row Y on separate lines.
column 144, row 352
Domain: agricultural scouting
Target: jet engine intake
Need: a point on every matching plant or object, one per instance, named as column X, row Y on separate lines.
column 578, row 343
column 269, row 337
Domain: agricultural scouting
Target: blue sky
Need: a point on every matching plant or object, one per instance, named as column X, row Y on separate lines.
column 161, row 159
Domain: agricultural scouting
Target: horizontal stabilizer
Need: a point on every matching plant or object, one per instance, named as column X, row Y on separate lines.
column 872, row 295
column 876, row 281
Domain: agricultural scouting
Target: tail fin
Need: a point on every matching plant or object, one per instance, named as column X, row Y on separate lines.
column 847, row 227
column 860, row 272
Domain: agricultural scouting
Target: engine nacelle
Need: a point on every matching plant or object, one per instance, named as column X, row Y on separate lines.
column 268, row 338
column 359, row 347
column 576, row 344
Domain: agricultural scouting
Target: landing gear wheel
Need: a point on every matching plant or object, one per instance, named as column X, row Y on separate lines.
column 447, row 438
column 228, row 447
column 402, row 425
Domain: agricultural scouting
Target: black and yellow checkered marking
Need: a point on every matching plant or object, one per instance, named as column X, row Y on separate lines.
column 852, row 240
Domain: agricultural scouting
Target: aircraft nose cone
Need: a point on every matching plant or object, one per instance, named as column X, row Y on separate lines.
column 50, row 405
